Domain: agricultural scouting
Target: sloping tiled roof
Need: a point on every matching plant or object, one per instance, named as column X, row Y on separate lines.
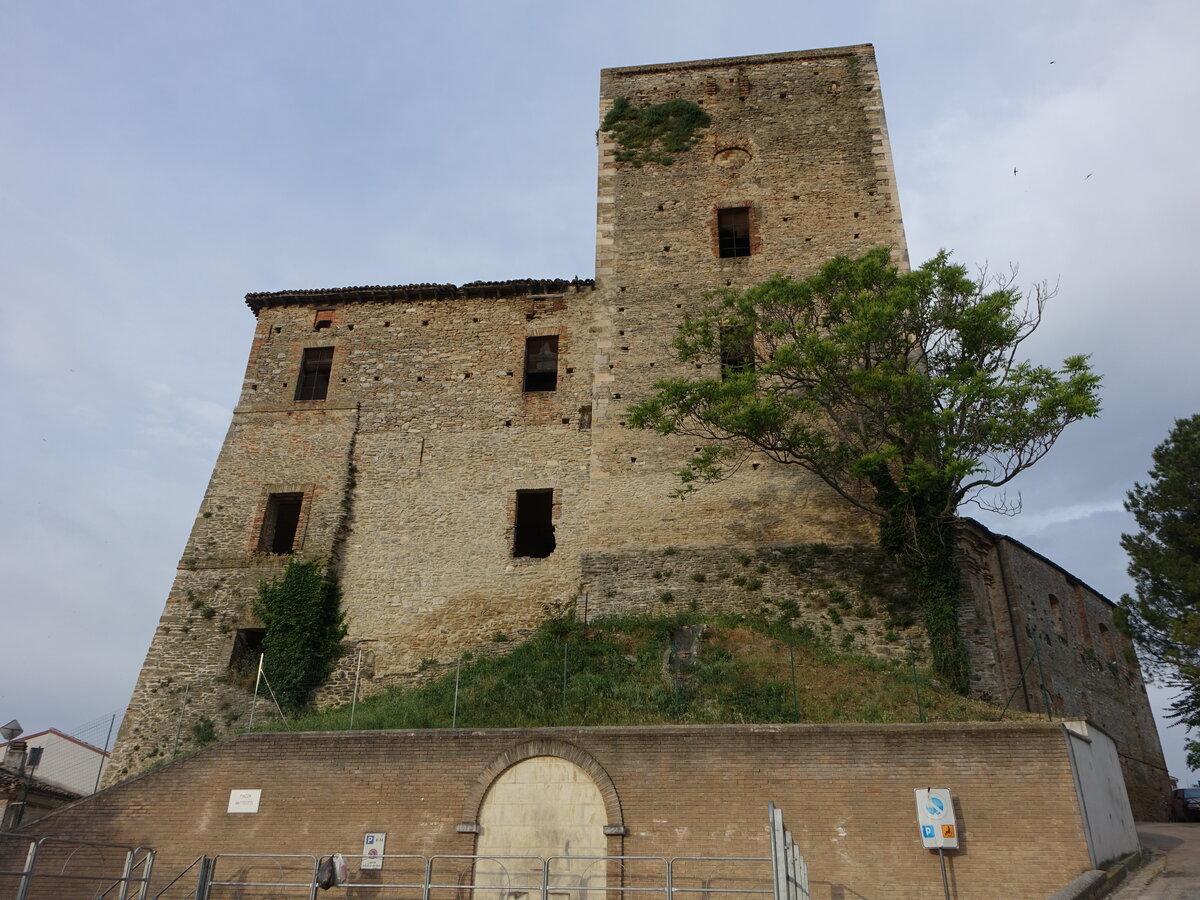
column 412, row 292
column 12, row 782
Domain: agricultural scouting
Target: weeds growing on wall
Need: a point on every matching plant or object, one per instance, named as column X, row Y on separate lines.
column 302, row 614
column 651, row 133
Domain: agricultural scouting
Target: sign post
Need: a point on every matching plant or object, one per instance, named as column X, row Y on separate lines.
column 939, row 828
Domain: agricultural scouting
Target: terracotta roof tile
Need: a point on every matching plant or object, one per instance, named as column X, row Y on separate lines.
column 407, row 293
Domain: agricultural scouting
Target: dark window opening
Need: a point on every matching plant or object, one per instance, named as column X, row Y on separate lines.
column 733, row 231
column 534, row 531
column 280, row 522
column 315, row 366
column 737, row 351
column 541, row 364
column 247, row 648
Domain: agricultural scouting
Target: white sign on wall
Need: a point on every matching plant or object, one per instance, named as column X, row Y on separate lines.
column 372, row 855
column 244, row 801
column 935, row 815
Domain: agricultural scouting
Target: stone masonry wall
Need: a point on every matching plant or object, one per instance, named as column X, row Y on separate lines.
column 799, row 139
column 409, row 470
column 411, row 464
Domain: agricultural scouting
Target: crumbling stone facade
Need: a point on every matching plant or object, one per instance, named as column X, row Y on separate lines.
column 461, row 457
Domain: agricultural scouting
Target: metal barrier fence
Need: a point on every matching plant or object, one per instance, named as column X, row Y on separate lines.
column 284, row 874
column 89, row 870
column 242, row 876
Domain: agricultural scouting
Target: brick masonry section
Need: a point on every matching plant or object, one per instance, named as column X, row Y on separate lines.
column 846, row 792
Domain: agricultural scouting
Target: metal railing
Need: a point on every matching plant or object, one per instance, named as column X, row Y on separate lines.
column 92, row 878
column 469, row 877
column 441, row 877
column 715, row 881
column 203, row 867
column 252, row 873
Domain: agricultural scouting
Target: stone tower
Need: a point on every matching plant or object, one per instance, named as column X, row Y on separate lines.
column 796, row 161
column 460, row 457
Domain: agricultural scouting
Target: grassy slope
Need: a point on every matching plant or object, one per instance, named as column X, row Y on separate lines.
column 623, row 672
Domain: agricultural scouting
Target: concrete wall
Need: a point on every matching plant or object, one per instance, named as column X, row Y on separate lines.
column 846, row 792
column 1108, row 819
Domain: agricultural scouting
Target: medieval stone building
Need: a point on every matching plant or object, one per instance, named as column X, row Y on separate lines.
column 460, row 454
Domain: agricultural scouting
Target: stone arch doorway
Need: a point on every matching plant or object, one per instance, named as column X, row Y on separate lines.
column 549, row 807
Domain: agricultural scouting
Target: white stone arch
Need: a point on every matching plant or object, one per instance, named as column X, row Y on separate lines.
column 546, row 807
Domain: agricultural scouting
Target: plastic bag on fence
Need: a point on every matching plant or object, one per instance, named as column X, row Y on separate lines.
column 326, row 873
column 341, row 872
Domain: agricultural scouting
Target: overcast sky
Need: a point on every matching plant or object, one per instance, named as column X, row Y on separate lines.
column 159, row 160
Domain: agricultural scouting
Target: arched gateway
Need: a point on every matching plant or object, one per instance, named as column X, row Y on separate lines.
column 544, row 802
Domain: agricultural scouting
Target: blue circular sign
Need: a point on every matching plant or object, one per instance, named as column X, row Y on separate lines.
column 935, row 807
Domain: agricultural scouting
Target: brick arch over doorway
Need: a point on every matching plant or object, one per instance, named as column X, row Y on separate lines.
column 530, row 750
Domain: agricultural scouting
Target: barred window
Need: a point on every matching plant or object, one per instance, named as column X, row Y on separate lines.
column 315, row 366
column 733, row 231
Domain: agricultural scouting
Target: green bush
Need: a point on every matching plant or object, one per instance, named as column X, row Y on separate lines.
column 651, row 133
column 302, row 614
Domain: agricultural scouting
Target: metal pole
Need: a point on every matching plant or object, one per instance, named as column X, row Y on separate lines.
column 1017, row 687
column 564, row 683
column 126, row 874
column 454, row 713
column 675, row 678
column 182, row 709
column 795, row 693
column 354, row 699
column 585, row 607
column 1037, row 653
column 107, row 737
column 254, row 699
column 945, row 883
column 27, row 874
column 203, row 878
column 912, row 658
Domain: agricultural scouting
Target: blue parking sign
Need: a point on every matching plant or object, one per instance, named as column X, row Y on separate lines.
column 926, row 831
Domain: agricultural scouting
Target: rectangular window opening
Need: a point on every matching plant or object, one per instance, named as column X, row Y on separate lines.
column 733, row 231
column 280, row 523
column 323, row 319
column 737, row 351
column 533, row 534
column 541, row 363
column 315, row 366
column 247, row 648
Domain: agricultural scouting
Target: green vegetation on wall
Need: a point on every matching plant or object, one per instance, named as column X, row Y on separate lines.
column 658, row 670
column 651, row 133
column 302, row 614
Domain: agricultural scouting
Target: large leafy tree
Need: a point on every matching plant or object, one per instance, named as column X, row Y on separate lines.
column 1164, row 561
column 902, row 391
